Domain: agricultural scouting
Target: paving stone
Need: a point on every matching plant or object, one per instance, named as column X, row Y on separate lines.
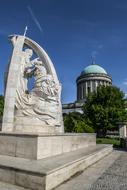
column 115, row 177
column 85, row 180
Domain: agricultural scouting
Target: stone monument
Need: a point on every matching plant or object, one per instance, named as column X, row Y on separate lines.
column 35, row 152
column 38, row 110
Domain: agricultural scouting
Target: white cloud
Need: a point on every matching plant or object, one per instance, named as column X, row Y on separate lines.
column 125, row 82
column 34, row 18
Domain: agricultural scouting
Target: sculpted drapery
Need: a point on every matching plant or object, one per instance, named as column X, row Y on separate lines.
column 38, row 109
column 43, row 100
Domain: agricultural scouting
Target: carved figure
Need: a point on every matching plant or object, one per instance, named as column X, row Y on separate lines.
column 41, row 106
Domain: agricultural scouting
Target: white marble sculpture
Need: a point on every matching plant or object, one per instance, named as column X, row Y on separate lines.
column 38, row 110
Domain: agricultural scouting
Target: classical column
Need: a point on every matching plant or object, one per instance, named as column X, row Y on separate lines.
column 83, row 91
column 77, row 92
column 91, row 87
column 80, row 92
column 86, row 88
column 96, row 85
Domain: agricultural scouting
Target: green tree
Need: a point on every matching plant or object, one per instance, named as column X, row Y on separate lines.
column 104, row 108
column 82, row 126
column 1, row 105
column 70, row 121
column 74, row 122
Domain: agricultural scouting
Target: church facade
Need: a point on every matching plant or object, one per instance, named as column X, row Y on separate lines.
column 90, row 78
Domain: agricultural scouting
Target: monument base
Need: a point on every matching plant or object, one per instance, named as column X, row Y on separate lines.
column 38, row 146
column 43, row 161
column 47, row 173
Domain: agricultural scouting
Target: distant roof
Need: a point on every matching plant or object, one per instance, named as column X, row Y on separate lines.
column 93, row 68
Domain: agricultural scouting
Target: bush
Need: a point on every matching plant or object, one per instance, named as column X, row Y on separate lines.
column 82, row 127
column 108, row 140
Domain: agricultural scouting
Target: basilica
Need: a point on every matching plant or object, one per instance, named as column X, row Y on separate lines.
column 90, row 78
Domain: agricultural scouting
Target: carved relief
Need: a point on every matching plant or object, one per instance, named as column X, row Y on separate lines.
column 38, row 109
column 43, row 101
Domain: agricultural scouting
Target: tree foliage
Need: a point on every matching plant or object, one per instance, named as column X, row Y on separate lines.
column 1, row 105
column 74, row 122
column 105, row 108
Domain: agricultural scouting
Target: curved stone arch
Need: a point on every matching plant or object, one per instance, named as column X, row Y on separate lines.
column 43, row 56
column 12, row 79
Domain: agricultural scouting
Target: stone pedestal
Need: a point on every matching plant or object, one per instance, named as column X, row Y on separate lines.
column 43, row 161
column 47, row 173
column 38, row 146
column 122, row 129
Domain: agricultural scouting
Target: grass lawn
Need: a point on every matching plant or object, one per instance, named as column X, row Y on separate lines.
column 107, row 140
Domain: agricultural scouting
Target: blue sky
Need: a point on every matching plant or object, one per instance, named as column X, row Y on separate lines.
column 70, row 31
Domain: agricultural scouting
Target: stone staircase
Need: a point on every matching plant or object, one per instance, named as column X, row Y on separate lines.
column 7, row 186
column 47, row 173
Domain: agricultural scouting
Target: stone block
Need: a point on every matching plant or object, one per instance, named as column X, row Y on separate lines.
column 7, row 175
column 38, row 146
column 30, row 181
column 46, row 174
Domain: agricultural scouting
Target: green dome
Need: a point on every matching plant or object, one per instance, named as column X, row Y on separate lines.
column 93, row 69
